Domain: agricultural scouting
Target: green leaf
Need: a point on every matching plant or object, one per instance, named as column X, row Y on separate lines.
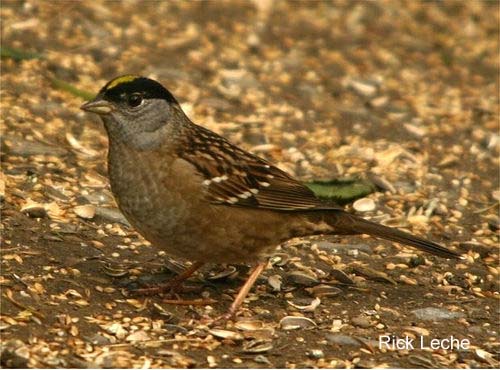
column 18, row 54
column 341, row 191
column 65, row 86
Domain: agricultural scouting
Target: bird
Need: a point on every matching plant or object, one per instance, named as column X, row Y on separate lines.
column 198, row 197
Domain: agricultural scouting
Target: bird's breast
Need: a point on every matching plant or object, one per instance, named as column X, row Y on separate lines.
column 148, row 190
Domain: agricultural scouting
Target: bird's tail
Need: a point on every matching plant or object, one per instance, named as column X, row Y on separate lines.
column 346, row 223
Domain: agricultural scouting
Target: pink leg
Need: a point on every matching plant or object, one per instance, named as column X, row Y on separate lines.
column 171, row 285
column 244, row 291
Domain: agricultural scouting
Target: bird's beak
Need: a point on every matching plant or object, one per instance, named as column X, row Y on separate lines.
column 98, row 106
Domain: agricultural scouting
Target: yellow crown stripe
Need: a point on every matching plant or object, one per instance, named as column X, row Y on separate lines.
column 120, row 80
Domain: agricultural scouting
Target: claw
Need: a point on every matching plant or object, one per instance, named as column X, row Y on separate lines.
column 219, row 320
column 171, row 287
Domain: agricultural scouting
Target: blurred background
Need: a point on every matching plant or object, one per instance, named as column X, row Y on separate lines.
column 289, row 70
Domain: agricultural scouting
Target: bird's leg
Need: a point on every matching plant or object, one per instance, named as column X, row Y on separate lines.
column 173, row 284
column 257, row 270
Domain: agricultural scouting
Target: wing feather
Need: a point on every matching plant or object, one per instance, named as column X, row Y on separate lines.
column 238, row 178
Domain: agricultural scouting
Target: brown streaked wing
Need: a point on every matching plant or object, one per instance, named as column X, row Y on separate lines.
column 238, row 178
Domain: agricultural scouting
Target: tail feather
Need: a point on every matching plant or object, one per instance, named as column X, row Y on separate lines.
column 347, row 223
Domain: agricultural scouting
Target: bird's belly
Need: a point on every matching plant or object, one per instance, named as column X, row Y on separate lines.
column 173, row 215
column 224, row 234
column 170, row 210
column 199, row 230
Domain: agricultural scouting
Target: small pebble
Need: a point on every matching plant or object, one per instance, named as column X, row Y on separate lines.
column 301, row 278
column 364, row 205
column 353, row 252
column 316, row 354
column 86, row 211
column 414, row 130
column 35, row 211
column 361, row 321
column 111, row 215
column 363, row 88
column 342, row 340
column 296, row 322
column 436, row 314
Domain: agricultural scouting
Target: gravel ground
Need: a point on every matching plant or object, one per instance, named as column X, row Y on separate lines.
column 403, row 93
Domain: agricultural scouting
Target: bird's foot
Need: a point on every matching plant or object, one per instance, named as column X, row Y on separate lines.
column 239, row 298
column 218, row 320
column 171, row 287
column 168, row 290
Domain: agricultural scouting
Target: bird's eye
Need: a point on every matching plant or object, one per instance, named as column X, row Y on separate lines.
column 134, row 100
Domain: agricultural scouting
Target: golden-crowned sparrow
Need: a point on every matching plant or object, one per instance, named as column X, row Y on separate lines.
column 195, row 195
